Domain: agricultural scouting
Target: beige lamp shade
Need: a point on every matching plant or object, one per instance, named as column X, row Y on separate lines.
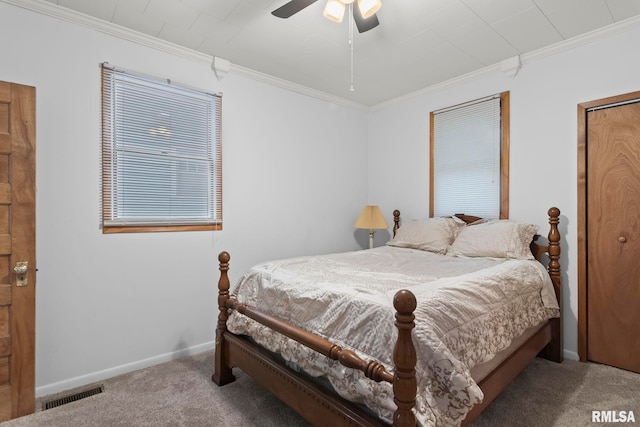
column 371, row 218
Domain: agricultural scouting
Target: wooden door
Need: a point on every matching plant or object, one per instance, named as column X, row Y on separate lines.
column 613, row 235
column 17, row 245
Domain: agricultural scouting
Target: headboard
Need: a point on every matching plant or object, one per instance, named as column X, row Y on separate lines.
column 537, row 249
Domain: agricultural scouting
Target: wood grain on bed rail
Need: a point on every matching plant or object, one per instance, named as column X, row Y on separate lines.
column 348, row 358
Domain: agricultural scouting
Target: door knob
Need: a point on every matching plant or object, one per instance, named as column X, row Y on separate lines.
column 21, row 269
column 622, row 239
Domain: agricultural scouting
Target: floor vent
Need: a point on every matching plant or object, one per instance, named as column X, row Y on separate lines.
column 72, row 397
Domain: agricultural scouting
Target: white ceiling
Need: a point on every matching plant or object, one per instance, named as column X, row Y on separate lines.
column 419, row 43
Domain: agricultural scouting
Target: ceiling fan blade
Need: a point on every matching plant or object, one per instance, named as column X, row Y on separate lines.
column 294, row 6
column 362, row 23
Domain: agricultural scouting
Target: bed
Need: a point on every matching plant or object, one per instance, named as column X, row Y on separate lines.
column 319, row 332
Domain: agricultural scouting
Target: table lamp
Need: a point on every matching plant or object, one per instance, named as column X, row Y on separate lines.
column 371, row 219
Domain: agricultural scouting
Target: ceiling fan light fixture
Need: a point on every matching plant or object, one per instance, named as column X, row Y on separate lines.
column 334, row 10
column 368, row 8
column 347, row 1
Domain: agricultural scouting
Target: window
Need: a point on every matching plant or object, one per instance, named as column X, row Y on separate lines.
column 469, row 146
column 161, row 155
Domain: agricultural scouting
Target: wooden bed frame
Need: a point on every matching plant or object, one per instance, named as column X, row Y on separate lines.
column 322, row 407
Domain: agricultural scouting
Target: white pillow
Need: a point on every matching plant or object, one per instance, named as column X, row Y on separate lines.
column 497, row 239
column 433, row 234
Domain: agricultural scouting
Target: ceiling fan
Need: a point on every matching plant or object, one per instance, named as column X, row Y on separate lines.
column 364, row 14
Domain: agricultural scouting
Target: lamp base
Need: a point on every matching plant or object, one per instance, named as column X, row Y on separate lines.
column 371, row 233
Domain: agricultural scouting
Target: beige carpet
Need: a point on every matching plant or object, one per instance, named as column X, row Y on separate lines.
column 180, row 393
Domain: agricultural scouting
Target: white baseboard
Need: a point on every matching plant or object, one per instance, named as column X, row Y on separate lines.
column 93, row 377
column 571, row 355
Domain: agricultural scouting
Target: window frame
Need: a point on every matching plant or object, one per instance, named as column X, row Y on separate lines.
column 504, row 155
column 107, row 176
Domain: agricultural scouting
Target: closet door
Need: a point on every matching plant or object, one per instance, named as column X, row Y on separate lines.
column 613, row 235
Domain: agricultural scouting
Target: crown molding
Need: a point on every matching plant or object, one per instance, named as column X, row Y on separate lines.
column 535, row 55
column 583, row 39
column 60, row 12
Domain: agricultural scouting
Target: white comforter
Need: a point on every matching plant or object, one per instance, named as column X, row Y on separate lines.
column 468, row 310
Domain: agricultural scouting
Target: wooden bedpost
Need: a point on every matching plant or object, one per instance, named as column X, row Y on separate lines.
column 554, row 249
column 554, row 351
column 396, row 221
column 222, row 374
column 404, row 358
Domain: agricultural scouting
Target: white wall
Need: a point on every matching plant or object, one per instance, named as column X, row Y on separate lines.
column 106, row 304
column 543, row 159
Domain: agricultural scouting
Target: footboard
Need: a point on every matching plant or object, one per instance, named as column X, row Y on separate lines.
column 232, row 351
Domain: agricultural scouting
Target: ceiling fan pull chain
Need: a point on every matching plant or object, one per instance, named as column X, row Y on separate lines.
column 351, row 88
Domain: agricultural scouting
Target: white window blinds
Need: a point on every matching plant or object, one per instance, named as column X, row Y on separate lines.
column 466, row 159
column 161, row 154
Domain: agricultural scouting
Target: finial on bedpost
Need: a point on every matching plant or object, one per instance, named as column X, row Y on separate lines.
column 396, row 221
column 554, row 245
column 222, row 374
column 223, row 289
column 404, row 358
